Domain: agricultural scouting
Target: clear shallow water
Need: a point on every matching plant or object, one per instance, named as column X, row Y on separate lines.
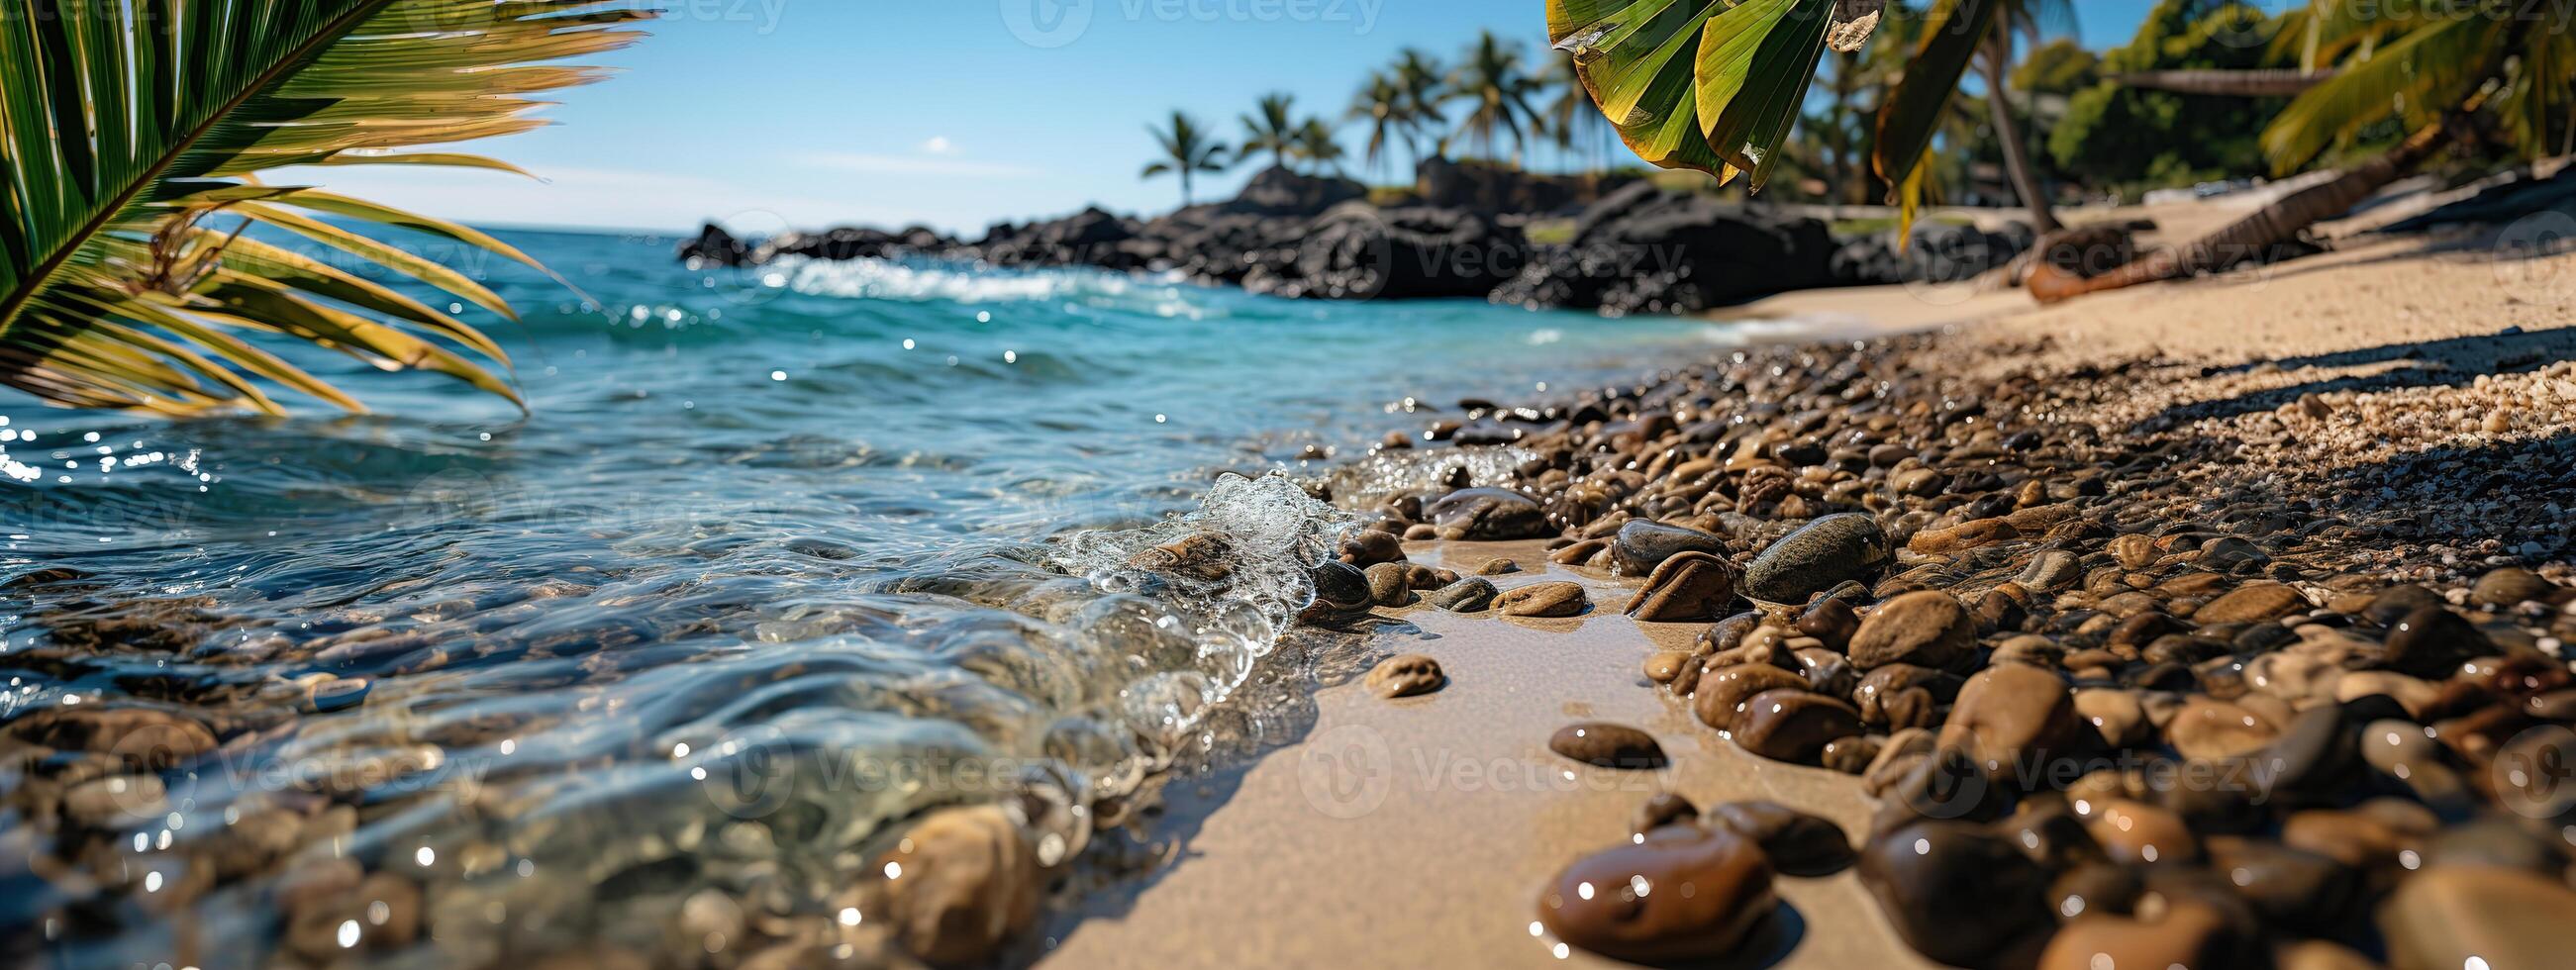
column 780, row 555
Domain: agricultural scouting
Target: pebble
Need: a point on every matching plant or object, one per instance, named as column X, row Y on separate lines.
column 1662, row 809
column 2133, row 551
column 2302, row 890
column 1724, row 691
column 1793, row 725
column 1852, row 755
column 2510, row 587
column 1470, row 595
column 1204, row 556
column 1390, row 584
column 2014, row 717
column 2432, row 642
column 1956, row 891
column 1580, row 553
column 2192, row 933
column 2116, row 715
column 2406, row 751
column 1927, row 629
column 2207, row 729
column 2478, row 916
column 2050, row 571
column 1819, row 556
column 1687, row 586
column 1340, row 589
column 1798, row 844
column 2136, row 833
column 141, row 737
column 1666, row 666
column 1643, row 545
column 1409, row 675
column 1368, row 547
column 1608, row 746
column 1962, row 537
column 1498, row 567
column 1831, row 621
column 960, row 884
column 1487, row 515
column 1900, row 696
column 110, row 804
column 1558, row 599
column 1627, row 902
column 2251, row 604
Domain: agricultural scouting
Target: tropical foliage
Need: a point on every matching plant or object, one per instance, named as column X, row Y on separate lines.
column 1271, row 128
column 1187, row 151
column 2423, row 77
column 1717, row 86
column 133, row 138
column 2121, row 133
column 1496, row 86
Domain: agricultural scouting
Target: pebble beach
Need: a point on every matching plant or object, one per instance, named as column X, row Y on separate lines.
column 2101, row 635
column 2211, row 624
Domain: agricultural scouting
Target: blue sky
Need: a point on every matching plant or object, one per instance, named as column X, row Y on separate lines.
column 767, row 114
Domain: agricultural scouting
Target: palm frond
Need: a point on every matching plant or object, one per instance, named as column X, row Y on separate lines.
column 2429, row 70
column 126, row 128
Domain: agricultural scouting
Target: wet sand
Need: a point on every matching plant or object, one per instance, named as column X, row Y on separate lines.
column 1418, row 832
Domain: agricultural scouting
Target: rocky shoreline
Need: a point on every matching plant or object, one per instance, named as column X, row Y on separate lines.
column 2121, row 690
column 1461, row 233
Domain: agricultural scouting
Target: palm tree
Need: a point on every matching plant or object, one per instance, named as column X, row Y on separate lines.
column 1315, row 143
column 2018, row 18
column 1270, row 129
column 119, row 146
column 2433, row 71
column 1569, row 120
column 1422, row 78
column 1497, row 87
column 1186, row 152
column 1381, row 105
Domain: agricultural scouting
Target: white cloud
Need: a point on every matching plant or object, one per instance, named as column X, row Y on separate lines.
column 939, row 145
column 862, row 163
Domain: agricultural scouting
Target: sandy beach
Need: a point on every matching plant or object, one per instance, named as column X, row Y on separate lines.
column 1425, row 828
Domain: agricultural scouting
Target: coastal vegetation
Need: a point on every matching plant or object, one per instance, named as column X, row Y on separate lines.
column 1187, row 151
column 2072, row 124
column 133, row 141
column 2389, row 88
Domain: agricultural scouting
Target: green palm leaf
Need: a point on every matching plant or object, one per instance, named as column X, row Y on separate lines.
column 2431, row 69
column 1912, row 115
column 125, row 128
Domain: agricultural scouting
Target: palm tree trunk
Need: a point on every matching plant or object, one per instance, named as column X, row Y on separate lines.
column 1842, row 115
column 2255, row 234
column 2260, row 83
column 2043, row 219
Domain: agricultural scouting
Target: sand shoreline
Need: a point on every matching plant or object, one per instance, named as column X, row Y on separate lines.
column 1444, row 866
column 1418, row 832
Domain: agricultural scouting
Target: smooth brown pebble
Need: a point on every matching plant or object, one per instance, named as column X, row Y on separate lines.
column 1406, row 676
column 1608, row 746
